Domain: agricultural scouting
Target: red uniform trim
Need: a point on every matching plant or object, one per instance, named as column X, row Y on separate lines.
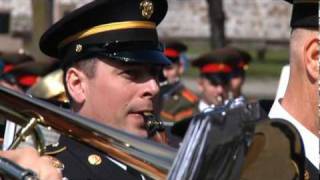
column 27, row 80
column 171, row 53
column 216, row 68
column 190, row 96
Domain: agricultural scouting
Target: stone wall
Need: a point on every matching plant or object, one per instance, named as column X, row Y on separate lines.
column 245, row 19
column 257, row 19
column 20, row 14
column 185, row 18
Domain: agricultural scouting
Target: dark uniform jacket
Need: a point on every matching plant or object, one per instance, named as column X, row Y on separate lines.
column 276, row 152
column 178, row 102
column 74, row 158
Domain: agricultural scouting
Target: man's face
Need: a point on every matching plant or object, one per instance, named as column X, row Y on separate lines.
column 212, row 94
column 173, row 72
column 119, row 94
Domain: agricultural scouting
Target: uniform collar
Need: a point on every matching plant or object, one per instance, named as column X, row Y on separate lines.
column 310, row 141
column 202, row 106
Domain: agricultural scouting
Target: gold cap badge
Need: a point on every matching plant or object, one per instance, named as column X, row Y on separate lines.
column 94, row 159
column 147, row 9
column 78, row 48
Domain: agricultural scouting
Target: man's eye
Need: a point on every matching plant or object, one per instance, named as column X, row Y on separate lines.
column 168, row 67
column 132, row 74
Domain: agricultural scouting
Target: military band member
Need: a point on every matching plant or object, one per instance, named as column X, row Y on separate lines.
column 111, row 59
column 213, row 83
column 238, row 74
column 214, row 77
column 177, row 100
column 299, row 105
column 10, row 60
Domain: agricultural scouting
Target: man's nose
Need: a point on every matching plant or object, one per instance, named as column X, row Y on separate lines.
column 151, row 87
column 220, row 89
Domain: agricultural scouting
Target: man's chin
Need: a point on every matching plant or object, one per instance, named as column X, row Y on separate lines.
column 138, row 132
column 142, row 133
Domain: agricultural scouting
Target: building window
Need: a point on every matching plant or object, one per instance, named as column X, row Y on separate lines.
column 4, row 22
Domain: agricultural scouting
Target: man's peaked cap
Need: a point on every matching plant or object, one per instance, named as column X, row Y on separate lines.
column 117, row 29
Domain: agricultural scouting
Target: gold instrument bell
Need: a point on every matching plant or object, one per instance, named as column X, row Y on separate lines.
column 50, row 87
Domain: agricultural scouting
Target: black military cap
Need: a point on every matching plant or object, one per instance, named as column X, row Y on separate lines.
column 239, row 63
column 174, row 49
column 123, row 30
column 12, row 59
column 305, row 13
column 26, row 74
column 214, row 65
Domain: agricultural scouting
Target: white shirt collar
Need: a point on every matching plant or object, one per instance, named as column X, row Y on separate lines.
column 123, row 166
column 310, row 141
column 202, row 106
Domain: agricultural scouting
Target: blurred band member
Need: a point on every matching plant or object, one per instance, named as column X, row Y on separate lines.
column 239, row 65
column 177, row 100
column 214, row 77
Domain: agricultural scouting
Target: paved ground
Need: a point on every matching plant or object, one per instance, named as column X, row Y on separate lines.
column 254, row 88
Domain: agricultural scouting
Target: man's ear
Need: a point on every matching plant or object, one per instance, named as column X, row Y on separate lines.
column 181, row 68
column 75, row 81
column 311, row 54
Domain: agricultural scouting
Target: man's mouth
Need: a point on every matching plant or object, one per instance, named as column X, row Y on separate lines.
column 144, row 115
column 147, row 121
column 148, row 116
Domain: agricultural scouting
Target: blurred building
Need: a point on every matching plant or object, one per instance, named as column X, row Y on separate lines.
column 254, row 20
column 245, row 19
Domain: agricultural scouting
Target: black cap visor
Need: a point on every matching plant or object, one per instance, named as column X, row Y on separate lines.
column 144, row 52
column 217, row 78
column 150, row 57
column 238, row 73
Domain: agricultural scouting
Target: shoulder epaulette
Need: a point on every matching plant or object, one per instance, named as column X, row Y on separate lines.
column 178, row 116
column 278, row 139
column 167, row 115
column 184, row 114
column 190, row 96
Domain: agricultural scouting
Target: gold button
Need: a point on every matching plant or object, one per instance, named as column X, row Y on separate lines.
column 78, row 48
column 94, row 159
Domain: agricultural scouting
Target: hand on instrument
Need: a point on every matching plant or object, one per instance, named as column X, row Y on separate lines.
column 30, row 159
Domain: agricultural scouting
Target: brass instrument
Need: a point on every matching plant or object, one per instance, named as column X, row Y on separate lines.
column 146, row 156
column 50, row 87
